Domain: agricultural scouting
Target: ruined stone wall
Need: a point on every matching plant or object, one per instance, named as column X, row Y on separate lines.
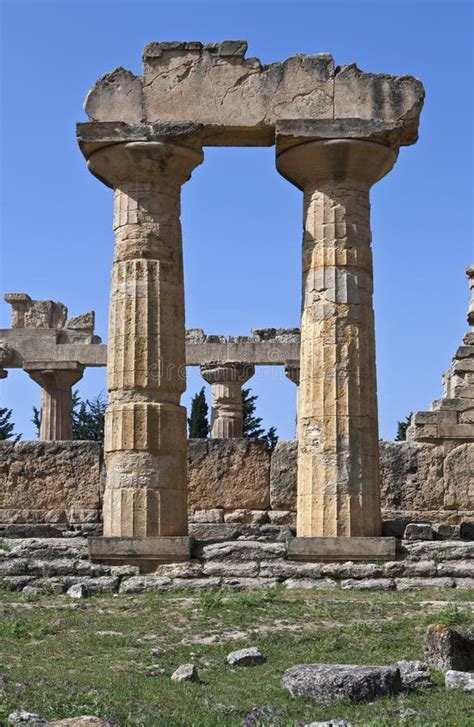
column 233, row 482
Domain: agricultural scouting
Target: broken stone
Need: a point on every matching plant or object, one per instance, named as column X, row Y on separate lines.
column 21, row 716
column 414, row 674
column 455, row 679
column 369, row 584
column 185, row 673
column 78, row 590
column 328, row 682
column 447, row 649
column 266, row 714
column 283, row 473
column 245, row 657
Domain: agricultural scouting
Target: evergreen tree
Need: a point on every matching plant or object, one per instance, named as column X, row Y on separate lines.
column 402, row 429
column 272, row 438
column 7, row 426
column 252, row 425
column 88, row 418
column 198, row 422
column 36, row 420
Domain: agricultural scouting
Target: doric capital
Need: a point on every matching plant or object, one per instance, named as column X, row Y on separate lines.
column 60, row 375
column 229, row 372
column 152, row 153
column 312, row 153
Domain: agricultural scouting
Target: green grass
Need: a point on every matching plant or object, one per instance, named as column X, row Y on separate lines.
column 61, row 658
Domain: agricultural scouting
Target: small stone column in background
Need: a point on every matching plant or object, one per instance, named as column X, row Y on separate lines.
column 56, row 396
column 338, row 467
column 226, row 380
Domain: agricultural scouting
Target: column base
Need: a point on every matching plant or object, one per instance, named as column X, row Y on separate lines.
column 146, row 553
column 341, row 549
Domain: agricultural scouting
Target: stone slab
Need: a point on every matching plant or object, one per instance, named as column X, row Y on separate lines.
column 146, row 553
column 341, row 548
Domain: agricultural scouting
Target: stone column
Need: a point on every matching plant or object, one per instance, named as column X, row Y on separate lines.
column 226, row 380
column 145, row 428
column 56, row 396
column 338, row 467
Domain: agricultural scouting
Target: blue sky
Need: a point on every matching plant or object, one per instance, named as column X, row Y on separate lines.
column 241, row 221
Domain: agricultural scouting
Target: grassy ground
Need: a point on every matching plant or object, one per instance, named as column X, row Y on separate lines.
column 102, row 656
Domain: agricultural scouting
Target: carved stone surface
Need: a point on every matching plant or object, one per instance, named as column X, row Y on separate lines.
column 145, row 427
column 338, row 470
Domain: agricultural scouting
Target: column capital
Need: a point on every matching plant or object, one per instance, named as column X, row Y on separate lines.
column 153, row 153
column 61, row 374
column 309, row 153
column 216, row 372
column 292, row 371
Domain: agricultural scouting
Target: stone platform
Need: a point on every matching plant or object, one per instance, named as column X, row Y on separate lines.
column 146, row 553
column 341, row 549
column 55, row 564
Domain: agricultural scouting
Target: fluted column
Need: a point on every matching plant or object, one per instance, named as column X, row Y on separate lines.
column 56, row 396
column 226, row 380
column 338, row 467
column 145, row 427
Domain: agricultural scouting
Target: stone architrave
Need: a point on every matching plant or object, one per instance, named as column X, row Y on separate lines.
column 145, row 430
column 56, row 396
column 226, row 380
column 335, row 165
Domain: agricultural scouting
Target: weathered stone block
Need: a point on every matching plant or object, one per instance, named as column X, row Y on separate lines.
column 446, row 649
column 228, row 473
column 411, row 476
column 328, row 682
column 63, row 477
column 418, row 531
column 458, row 473
column 283, row 473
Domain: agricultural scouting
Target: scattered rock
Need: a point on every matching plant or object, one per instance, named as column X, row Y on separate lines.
column 157, row 671
column 245, row 657
column 185, row 673
column 23, row 717
column 447, row 649
column 266, row 714
column 414, row 674
column 456, row 679
column 78, row 590
column 32, row 591
column 418, row 531
column 328, row 682
column 331, row 723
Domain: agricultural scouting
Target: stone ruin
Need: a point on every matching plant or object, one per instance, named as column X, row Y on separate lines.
column 336, row 131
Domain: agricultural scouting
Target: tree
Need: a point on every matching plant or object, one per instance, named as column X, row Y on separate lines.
column 88, row 417
column 7, row 426
column 252, row 425
column 198, row 421
column 402, row 428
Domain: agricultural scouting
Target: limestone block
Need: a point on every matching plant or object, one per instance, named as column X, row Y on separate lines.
column 411, row 476
column 231, row 474
column 50, row 476
column 446, row 648
column 418, row 531
column 246, row 516
column 239, row 100
column 458, row 473
column 216, row 515
column 283, row 474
